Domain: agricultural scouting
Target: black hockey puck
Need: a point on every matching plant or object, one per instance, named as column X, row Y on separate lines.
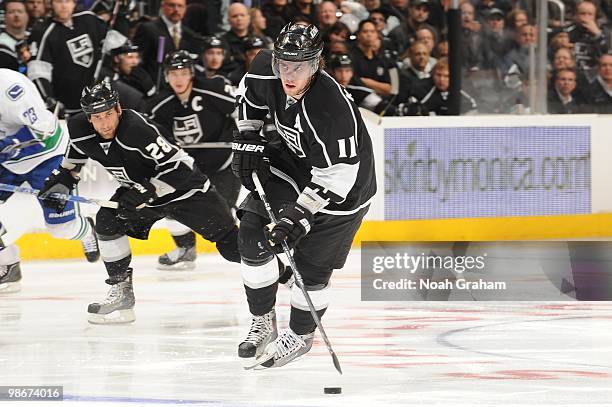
column 332, row 390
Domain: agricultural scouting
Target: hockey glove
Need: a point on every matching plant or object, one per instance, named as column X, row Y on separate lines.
column 61, row 181
column 135, row 198
column 9, row 148
column 248, row 148
column 294, row 223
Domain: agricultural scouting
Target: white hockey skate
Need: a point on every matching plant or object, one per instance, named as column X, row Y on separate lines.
column 178, row 259
column 90, row 244
column 263, row 331
column 116, row 308
column 10, row 278
column 288, row 347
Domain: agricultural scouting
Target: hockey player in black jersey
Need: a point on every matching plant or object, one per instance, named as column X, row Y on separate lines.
column 65, row 51
column 197, row 111
column 157, row 180
column 319, row 177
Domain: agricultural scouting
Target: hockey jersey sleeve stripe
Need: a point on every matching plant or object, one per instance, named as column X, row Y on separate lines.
column 246, row 99
column 135, row 149
column 361, row 88
column 215, row 94
column 159, row 105
column 316, row 136
column 9, row 52
column 76, row 140
column 350, row 107
column 339, row 179
column 429, row 95
column 78, row 150
column 38, row 69
column 43, row 41
column 254, row 76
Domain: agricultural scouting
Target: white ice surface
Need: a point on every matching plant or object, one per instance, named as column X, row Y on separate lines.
column 182, row 348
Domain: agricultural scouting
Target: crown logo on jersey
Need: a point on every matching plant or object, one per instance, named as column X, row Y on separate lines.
column 81, row 50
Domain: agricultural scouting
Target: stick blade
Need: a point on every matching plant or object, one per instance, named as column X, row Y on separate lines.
column 336, row 362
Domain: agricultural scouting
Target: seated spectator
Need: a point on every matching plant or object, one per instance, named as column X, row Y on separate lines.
column 599, row 93
column 239, row 20
column 515, row 19
column 417, row 65
column 391, row 20
column 37, row 11
column 434, row 101
column 403, row 35
column 428, row 35
column 589, row 39
column 258, row 27
column 341, row 68
column 515, row 66
column 562, row 97
column 168, row 25
column 326, row 15
column 15, row 30
column 441, row 50
column 303, row 8
column 496, row 43
column 472, row 38
column 369, row 62
column 275, row 13
column 564, row 59
column 484, row 7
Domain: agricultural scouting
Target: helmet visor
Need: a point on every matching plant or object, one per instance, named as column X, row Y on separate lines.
column 294, row 70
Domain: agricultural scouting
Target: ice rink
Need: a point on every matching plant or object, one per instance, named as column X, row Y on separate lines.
column 182, row 348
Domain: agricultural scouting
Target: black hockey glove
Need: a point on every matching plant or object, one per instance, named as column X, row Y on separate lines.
column 61, row 181
column 135, row 198
column 248, row 148
column 294, row 223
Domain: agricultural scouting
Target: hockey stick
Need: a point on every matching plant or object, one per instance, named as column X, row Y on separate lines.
column 212, row 144
column 111, row 24
column 161, row 47
column 70, row 198
column 296, row 273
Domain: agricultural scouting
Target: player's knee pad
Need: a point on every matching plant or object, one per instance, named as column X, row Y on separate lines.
column 260, row 274
column 228, row 246
column 73, row 229
column 106, row 222
column 114, row 248
column 9, row 255
column 319, row 295
column 251, row 239
column 176, row 228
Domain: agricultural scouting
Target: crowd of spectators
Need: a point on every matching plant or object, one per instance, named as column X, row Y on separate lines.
column 392, row 55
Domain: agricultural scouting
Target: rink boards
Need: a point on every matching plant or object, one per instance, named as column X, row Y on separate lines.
column 448, row 178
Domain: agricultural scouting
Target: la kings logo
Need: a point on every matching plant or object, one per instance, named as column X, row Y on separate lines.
column 81, row 49
column 187, row 129
column 121, row 176
column 291, row 135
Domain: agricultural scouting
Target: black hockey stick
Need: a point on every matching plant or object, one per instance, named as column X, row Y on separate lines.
column 296, row 273
column 71, row 198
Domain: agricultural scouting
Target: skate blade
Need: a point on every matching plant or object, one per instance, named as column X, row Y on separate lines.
column 124, row 316
column 7, row 288
column 181, row 266
column 263, row 358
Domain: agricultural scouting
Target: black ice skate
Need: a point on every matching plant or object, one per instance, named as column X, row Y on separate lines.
column 10, row 278
column 90, row 244
column 180, row 258
column 117, row 307
column 286, row 348
column 263, row 331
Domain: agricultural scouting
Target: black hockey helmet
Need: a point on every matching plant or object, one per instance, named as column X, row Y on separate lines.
column 298, row 42
column 125, row 48
column 340, row 61
column 212, row 42
column 179, row 59
column 99, row 97
column 254, row 42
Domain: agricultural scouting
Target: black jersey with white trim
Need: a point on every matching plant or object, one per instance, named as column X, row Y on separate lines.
column 64, row 58
column 205, row 117
column 138, row 152
column 323, row 132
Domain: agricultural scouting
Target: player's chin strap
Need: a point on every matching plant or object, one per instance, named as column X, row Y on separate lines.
column 298, row 277
column 70, row 198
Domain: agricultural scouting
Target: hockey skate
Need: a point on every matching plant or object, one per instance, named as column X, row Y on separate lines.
column 10, row 278
column 286, row 348
column 263, row 331
column 178, row 259
column 90, row 244
column 117, row 307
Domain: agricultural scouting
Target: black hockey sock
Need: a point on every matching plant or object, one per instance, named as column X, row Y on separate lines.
column 118, row 270
column 301, row 322
column 285, row 272
column 261, row 300
column 186, row 241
